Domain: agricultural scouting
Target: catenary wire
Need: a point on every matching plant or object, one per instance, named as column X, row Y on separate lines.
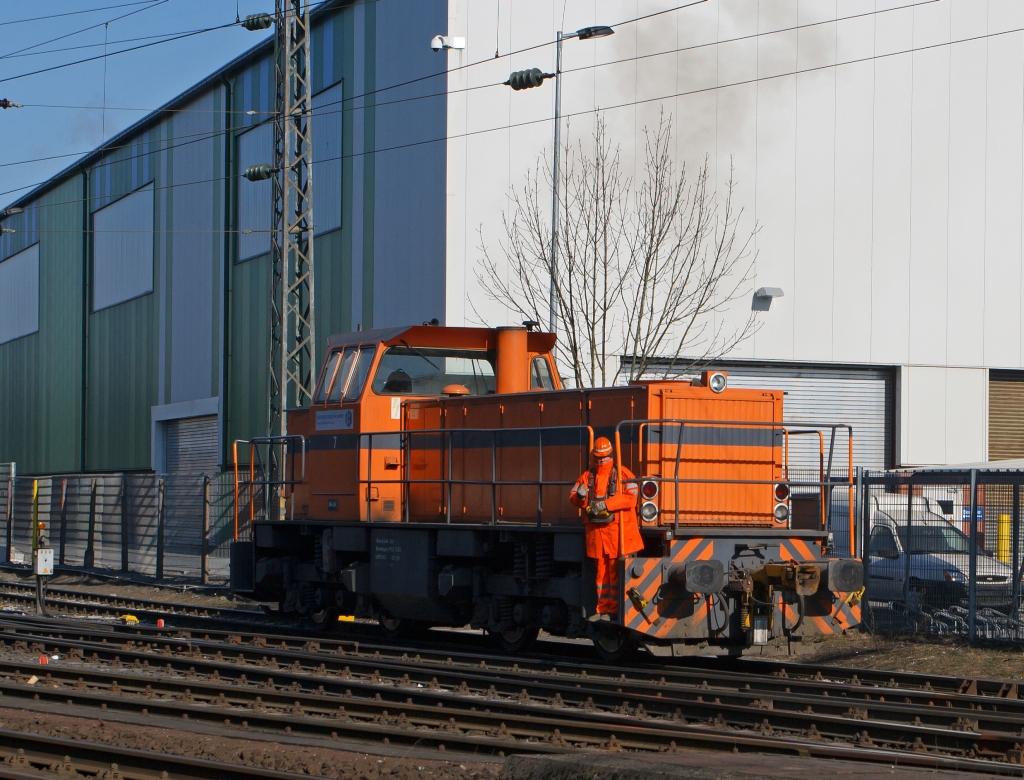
column 94, row 46
column 84, row 29
column 77, row 13
column 627, row 104
column 115, row 53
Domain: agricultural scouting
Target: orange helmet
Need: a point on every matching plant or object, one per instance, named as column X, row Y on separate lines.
column 602, row 448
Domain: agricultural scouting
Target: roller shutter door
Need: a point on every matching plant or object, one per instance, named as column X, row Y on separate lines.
column 1006, row 415
column 860, row 398
column 191, row 445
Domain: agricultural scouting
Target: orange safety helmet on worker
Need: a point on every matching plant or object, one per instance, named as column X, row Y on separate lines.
column 608, row 498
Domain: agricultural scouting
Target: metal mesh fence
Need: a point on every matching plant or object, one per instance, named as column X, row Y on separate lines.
column 158, row 525
column 942, row 553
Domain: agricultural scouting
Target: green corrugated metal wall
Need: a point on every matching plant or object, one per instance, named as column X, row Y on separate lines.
column 40, row 374
column 122, row 385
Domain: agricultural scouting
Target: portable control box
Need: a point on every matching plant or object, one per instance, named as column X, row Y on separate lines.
column 44, row 562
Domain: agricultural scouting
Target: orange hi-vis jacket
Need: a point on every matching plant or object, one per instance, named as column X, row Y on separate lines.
column 603, row 540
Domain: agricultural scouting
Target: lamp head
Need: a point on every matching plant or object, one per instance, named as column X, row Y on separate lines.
column 597, row 31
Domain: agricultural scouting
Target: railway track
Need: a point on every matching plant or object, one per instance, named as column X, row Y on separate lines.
column 68, row 601
column 73, row 603
column 333, row 689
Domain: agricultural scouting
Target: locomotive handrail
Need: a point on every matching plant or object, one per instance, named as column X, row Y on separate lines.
column 264, row 477
column 448, row 448
column 826, row 483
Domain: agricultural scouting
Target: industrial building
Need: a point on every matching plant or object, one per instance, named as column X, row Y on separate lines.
column 877, row 147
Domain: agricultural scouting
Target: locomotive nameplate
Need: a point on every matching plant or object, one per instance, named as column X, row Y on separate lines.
column 334, row 420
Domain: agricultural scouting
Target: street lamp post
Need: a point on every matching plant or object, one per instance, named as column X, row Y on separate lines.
column 526, row 79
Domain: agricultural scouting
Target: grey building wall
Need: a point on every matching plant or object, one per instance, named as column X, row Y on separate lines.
column 410, row 164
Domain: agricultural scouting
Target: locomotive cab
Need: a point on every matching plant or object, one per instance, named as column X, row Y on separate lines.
column 366, row 379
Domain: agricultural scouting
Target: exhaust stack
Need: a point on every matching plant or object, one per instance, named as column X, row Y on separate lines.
column 513, row 374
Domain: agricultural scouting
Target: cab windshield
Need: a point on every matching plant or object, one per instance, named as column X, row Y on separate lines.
column 427, row 371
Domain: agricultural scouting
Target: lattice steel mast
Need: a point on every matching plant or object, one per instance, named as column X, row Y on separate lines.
column 292, row 329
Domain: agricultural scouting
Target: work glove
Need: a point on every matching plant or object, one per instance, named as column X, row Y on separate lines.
column 598, row 509
column 581, row 491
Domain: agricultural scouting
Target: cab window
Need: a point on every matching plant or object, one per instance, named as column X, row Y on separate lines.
column 359, row 373
column 327, row 377
column 341, row 377
column 540, row 375
column 427, row 371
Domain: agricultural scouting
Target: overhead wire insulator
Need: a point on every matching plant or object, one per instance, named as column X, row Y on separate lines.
column 527, row 79
column 254, row 22
column 259, row 172
column 5, row 103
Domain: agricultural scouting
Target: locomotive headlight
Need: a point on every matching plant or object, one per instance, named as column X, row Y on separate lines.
column 781, row 513
column 717, row 382
column 648, row 511
column 649, row 489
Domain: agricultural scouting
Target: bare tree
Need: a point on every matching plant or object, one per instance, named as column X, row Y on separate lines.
column 645, row 271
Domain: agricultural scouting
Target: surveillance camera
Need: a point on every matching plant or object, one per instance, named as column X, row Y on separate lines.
column 441, row 42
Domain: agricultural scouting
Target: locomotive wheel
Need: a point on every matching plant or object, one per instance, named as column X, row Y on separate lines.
column 324, row 618
column 514, row 640
column 393, row 627
column 613, row 645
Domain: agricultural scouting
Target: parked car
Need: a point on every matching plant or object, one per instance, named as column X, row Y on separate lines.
column 928, row 563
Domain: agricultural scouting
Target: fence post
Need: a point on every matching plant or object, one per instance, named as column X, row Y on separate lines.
column 124, row 523
column 35, row 518
column 972, row 583
column 10, row 512
column 63, row 520
column 205, row 563
column 160, row 528
column 855, row 542
column 89, row 559
column 907, row 547
column 1015, row 552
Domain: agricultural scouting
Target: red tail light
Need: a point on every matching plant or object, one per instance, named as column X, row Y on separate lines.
column 781, row 492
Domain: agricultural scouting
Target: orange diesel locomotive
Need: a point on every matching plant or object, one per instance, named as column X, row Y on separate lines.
column 428, row 484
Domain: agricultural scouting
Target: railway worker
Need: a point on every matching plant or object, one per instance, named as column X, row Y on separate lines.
column 607, row 498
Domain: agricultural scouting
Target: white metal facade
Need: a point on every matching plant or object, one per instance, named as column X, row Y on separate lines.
column 878, row 145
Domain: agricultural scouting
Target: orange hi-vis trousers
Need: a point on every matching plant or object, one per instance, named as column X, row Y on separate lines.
column 607, row 585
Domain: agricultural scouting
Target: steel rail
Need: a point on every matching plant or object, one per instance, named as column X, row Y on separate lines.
column 734, row 707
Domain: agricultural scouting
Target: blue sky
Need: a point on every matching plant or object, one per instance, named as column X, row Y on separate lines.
column 140, row 80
